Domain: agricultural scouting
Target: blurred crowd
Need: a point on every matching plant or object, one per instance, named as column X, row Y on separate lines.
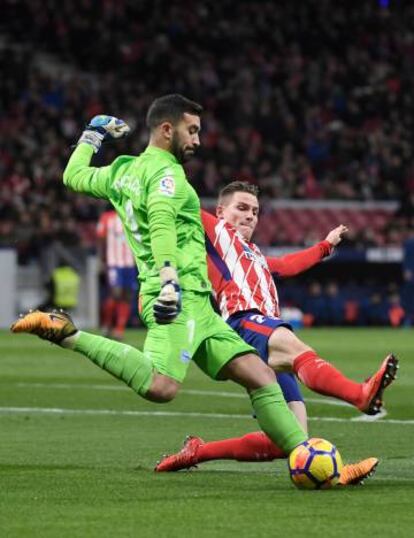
column 310, row 100
column 353, row 304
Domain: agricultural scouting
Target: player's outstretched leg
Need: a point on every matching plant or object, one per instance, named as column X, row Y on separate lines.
column 286, row 350
column 122, row 361
column 254, row 446
column 322, row 377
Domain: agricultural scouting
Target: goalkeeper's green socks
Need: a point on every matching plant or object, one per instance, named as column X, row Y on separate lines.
column 275, row 418
column 122, row 361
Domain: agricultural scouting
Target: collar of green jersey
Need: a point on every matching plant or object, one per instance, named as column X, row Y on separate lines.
column 154, row 150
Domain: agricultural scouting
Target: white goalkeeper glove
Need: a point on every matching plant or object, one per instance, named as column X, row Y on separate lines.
column 101, row 129
column 168, row 304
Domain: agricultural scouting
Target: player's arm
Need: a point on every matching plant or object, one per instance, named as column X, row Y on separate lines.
column 166, row 195
column 79, row 175
column 298, row 262
column 165, row 198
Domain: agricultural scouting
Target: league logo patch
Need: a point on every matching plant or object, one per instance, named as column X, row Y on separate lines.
column 167, row 186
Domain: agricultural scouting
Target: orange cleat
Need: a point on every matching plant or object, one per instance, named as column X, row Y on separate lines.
column 354, row 474
column 184, row 459
column 53, row 326
column 374, row 387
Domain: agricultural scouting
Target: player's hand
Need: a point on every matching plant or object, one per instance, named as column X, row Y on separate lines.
column 334, row 237
column 168, row 304
column 103, row 128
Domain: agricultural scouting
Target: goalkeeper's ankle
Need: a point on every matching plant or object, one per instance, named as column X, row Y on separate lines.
column 70, row 341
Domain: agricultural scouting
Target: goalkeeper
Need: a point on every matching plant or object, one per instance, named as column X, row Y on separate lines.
column 160, row 212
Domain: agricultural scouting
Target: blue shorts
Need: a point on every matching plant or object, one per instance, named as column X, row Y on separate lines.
column 123, row 277
column 255, row 329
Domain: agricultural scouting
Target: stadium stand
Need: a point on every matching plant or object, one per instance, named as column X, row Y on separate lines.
column 316, row 116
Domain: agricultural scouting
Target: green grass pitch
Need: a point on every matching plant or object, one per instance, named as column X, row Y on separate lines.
column 77, row 451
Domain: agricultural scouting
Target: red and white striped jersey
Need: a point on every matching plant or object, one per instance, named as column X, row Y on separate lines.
column 241, row 276
column 117, row 251
column 238, row 271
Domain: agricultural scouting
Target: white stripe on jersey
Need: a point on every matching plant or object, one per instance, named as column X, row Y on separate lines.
column 223, row 306
column 218, row 229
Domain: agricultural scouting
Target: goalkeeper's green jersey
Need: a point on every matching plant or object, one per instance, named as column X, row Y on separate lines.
column 159, row 209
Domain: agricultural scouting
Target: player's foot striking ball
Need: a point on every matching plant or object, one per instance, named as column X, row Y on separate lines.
column 315, row 464
column 374, row 387
column 53, row 326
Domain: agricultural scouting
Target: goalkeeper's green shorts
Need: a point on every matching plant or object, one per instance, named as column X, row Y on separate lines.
column 197, row 334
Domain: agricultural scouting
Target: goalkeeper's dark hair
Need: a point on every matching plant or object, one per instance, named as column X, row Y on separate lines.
column 171, row 108
column 238, row 186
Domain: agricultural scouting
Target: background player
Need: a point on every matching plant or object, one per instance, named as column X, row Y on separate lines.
column 121, row 274
column 160, row 212
column 247, row 297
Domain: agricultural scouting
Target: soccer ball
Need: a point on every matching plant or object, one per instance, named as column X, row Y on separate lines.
column 315, row 464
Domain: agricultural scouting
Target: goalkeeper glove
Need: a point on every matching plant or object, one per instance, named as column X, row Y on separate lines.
column 101, row 129
column 168, row 304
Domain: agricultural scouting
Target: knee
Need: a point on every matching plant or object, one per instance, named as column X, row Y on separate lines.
column 163, row 389
column 267, row 374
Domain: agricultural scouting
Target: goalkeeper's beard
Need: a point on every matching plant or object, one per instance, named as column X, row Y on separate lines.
column 179, row 151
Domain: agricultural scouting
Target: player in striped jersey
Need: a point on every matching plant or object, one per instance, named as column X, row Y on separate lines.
column 245, row 291
column 121, row 274
column 246, row 294
column 244, row 288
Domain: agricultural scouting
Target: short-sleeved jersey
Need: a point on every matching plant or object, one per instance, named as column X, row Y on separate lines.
column 159, row 210
column 241, row 276
column 117, row 251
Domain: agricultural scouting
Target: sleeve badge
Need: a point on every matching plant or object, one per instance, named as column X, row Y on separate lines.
column 167, row 186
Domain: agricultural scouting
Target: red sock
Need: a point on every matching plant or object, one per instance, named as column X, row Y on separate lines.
column 254, row 446
column 322, row 377
column 108, row 312
column 123, row 310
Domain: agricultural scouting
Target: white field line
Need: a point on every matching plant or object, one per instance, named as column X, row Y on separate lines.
column 134, row 413
column 214, row 468
column 193, row 392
